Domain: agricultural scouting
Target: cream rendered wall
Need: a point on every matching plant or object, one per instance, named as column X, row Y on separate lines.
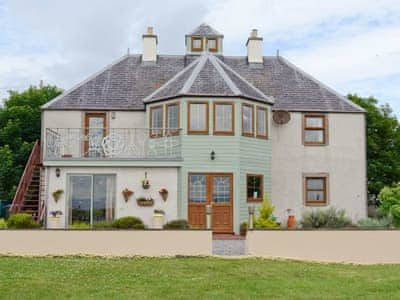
column 129, row 177
column 344, row 159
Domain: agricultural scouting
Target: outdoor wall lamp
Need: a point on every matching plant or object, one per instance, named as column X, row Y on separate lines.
column 58, row 172
column 212, row 155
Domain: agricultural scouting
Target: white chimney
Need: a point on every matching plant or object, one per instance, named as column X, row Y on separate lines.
column 149, row 46
column 254, row 48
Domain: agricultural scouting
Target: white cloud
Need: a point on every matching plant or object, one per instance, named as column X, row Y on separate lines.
column 345, row 43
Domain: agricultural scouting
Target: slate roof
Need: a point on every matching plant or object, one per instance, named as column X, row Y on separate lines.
column 208, row 76
column 204, row 30
column 126, row 83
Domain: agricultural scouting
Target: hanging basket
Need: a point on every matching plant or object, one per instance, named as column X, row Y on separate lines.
column 57, row 195
column 127, row 194
column 164, row 195
column 145, row 202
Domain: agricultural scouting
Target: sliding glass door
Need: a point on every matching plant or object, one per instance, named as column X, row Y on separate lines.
column 91, row 198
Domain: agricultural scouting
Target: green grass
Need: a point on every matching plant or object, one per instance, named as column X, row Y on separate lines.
column 192, row 278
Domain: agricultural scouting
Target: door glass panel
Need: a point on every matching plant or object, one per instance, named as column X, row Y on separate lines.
column 103, row 198
column 197, row 188
column 95, row 136
column 81, row 193
column 221, row 189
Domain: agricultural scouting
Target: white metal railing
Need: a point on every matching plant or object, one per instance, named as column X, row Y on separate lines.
column 99, row 143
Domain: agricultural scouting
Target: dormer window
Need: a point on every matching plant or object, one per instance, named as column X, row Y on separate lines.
column 212, row 45
column 197, row 44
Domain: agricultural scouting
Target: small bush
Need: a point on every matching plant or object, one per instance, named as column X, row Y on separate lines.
column 3, row 224
column 243, row 228
column 330, row 218
column 375, row 223
column 103, row 225
column 80, row 225
column 22, row 221
column 266, row 218
column 177, row 224
column 389, row 200
column 128, row 223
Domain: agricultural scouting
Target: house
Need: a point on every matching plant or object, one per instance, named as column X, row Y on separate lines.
column 208, row 129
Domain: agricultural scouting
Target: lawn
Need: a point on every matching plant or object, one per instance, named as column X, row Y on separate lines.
column 192, row 278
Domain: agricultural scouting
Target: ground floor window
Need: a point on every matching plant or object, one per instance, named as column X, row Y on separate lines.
column 91, row 198
column 254, row 187
column 316, row 190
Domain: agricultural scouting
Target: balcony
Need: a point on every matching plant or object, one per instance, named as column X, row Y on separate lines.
column 112, row 144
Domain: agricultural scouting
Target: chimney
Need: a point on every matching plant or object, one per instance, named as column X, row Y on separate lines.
column 254, row 48
column 149, row 46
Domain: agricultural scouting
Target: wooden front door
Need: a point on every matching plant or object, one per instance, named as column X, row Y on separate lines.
column 95, row 130
column 215, row 189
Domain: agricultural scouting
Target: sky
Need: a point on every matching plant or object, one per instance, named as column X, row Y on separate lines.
column 352, row 46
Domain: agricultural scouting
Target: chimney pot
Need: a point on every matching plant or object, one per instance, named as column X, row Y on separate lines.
column 254, row 33
column 150, row 30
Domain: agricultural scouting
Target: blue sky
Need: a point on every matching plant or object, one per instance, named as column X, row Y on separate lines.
column 351, row 45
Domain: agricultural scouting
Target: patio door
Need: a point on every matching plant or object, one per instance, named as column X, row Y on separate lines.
column 91, row 198
column 215, row 189
column 95, row 131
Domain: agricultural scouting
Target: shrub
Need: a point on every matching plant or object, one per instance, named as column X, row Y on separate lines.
column 128, row 223
column 243, row 228
column 22, row 221
column 177, row 224
column 103, row 225
column 375, row 223
column 266, row 218
column 389, row 200
column 3, row 224
column 80, row 225
column 330, row 218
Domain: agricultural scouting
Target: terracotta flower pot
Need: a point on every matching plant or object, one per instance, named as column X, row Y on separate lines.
column 291, row 222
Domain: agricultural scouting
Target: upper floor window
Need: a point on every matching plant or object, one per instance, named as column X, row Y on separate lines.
column 173, row 118
column 197, row 44
column 247, row 120
column 315, row 190
column 262, row 124
column 212, row 45
column 156, row 121
column 314, row 129
column 254, row 187
column 223, row 118
column 198, row 117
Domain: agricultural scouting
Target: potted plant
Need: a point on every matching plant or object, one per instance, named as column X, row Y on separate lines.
column 127, row 193
column 243, row 228
column 145, row 184
column 158, row 219
column 163, row 193
column 54, row 220
column 143, row 201
column 57, row 194
column 291, row 222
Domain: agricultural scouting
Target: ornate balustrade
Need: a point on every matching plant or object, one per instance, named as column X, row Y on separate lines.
column 112, row 143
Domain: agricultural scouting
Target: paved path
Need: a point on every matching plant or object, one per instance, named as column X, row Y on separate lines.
column 229, row 247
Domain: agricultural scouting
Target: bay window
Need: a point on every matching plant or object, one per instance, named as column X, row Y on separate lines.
column 198, row 117
column 223, row 118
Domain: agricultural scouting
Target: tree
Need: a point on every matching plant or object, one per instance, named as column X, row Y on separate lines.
column 19, row 129
column 383, row 144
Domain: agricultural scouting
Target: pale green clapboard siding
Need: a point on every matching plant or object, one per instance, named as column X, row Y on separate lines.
column 233, row 154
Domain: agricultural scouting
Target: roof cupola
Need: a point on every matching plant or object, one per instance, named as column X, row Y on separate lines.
column 204, row 39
